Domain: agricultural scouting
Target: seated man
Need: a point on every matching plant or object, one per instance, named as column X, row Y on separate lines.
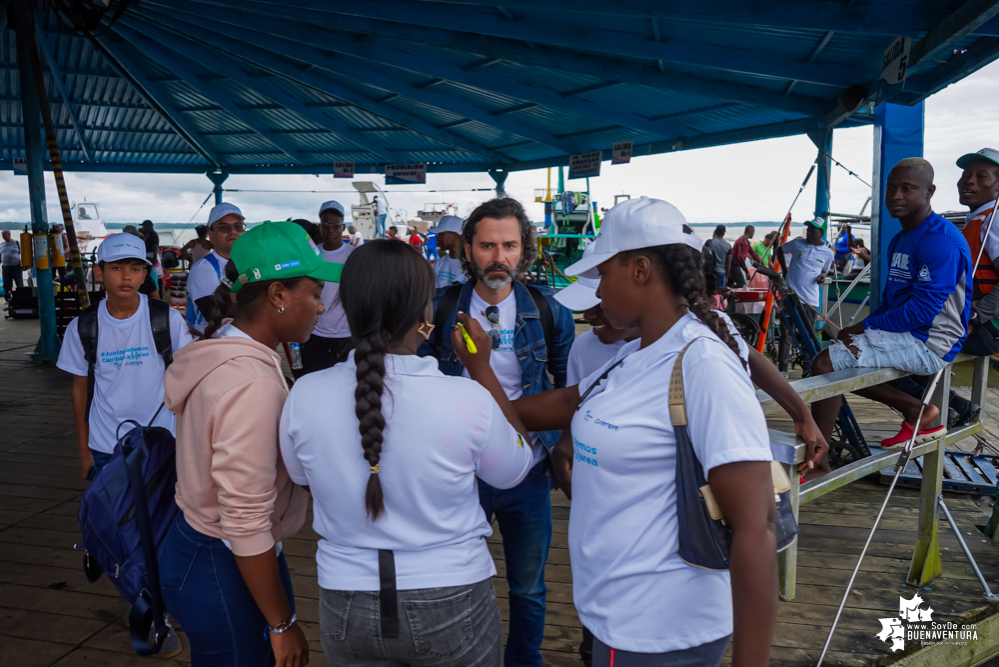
column 922, row 318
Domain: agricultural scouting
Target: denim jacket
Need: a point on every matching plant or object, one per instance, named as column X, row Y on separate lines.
column 528, row 339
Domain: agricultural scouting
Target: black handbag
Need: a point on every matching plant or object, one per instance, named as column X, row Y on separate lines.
column 705, row 538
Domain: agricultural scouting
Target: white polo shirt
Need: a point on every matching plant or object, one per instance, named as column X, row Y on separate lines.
column 333, row 323
column 449, row 272
column 587, row 355
column 629, row 585
column 433, row 452
column 805, row 262
column 202, row 281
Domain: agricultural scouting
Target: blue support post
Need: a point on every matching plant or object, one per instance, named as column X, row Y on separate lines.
column 898, row 134
column 47, row 348
column 218, row 178
column 500, row 178
column 822, row 139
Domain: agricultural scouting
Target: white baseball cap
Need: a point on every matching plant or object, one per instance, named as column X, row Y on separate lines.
column 450, row 223
column 220, row 211
column 117, row 247
column 634, row 224
column 990, row 154
column 582, row 294
column 331, row 206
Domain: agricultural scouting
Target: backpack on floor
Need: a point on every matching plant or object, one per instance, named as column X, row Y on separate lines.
column 124, row 516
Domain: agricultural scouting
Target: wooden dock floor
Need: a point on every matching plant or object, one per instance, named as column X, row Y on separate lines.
column 51, row 615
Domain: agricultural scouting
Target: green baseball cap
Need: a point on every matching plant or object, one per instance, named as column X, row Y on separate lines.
column 819, row 223
column 279, row 250
column 989, row 154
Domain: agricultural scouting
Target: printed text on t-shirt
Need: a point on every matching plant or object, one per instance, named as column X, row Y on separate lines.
column 130, row 356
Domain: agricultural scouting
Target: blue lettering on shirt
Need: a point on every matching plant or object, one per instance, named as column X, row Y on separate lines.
column 130, row 356
column 581, row 451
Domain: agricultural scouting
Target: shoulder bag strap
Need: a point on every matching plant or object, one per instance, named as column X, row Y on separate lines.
column 545, row 315
column 86, row 327
column 677, row 403
column 445, row 305
column 159, row 321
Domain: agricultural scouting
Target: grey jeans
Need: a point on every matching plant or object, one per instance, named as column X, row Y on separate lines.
column 457, row 626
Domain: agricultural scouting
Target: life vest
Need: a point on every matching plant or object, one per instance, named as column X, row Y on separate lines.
column 986, row 277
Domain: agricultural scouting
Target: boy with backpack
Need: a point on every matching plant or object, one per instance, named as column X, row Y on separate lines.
column 118, row 351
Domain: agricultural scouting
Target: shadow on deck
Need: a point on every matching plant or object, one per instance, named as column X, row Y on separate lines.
column 51, row 615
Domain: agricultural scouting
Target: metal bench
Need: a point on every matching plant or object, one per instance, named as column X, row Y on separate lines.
column 926, row 558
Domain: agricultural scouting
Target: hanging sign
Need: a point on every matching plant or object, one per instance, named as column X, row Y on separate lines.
column 585, row 165
column 621, row 154
column 895, row 64
column 343, row 170
column 405, row 174
column 21, row 166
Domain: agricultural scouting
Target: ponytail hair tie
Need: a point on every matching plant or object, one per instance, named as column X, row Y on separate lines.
column 374, row 469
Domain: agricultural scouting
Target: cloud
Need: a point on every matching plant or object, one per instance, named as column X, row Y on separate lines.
column 742, row 182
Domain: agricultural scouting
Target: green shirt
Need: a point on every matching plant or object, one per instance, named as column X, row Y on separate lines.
column 763, row 251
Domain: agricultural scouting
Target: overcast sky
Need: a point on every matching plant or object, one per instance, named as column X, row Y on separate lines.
column 743, row 182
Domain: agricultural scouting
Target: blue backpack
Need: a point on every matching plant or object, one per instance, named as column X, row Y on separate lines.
column 124, row 516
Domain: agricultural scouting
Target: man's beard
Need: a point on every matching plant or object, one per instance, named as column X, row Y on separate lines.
column 494, row 282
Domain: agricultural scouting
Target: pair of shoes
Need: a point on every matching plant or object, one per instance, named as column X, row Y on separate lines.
column 969, row 416
column 902, row 437
column 172, row 646
column 953, row 417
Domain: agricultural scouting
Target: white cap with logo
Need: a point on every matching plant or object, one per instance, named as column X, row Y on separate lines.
column 634, row 224
column 989, row 154
column 219, row 211
column 449, row 223
column 117, row 247
column 582, row 294
column 331, row 206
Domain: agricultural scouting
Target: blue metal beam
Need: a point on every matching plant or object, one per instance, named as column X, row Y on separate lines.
column 263, row 86
column 283, row 37
column 417, row 60
column 498, row 49
column 953, row 28
column 584, row 37
column 208, row 90
column 314, row 78
column 983, row 52
column 149, row 91
column 57, row 80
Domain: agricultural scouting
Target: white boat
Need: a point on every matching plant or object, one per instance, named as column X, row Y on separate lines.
column 89, row 227
column 363, row 215
column 433, row 213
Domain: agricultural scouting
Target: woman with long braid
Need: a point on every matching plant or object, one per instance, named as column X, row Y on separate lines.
column 644, row 605
column 404, row 571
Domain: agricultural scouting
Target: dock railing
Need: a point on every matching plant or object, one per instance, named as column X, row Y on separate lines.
column 926, row 562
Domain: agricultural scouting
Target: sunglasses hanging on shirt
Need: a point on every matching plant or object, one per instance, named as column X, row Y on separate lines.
column 492, row 315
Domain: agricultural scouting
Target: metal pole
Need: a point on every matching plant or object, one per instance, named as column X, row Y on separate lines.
column 47, row 348
column 56, row 159
column 217, row 178
column 903, row 459
column 967, row 552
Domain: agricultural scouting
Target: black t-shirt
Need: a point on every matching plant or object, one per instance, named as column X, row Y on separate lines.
column 152, row 245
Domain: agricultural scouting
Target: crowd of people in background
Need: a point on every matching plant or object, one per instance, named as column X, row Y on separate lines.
column 442, row 390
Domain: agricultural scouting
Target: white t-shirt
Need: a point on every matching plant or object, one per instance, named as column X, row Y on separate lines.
column 432, row 454
column 379, row 207
column 333, row 323
column 587, row 355
column 504, row 361
column 357, row 239
column 10, row 253
column 128, row 374
column 804, row 264
column 629, row 585
column 449, row 271
column 202, row 281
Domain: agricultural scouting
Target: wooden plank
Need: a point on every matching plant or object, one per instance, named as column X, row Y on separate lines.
column 968, row 467
column 989, row 470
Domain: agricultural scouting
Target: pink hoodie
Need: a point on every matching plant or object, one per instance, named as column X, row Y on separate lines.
column 231, row 481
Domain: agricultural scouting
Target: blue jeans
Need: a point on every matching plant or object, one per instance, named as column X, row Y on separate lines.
column 431, row 254
column 524, row 514
column 705, row 655
column 720, row 278
column 205, row 592
column 100, row 460
column 380, row 225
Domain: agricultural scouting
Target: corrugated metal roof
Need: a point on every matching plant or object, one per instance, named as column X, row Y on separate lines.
column 461, row 83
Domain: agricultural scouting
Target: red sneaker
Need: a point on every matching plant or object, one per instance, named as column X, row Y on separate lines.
column 902, row 437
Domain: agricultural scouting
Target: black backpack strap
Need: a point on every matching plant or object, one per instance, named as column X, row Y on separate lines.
column 159, row 320
column 86, row 327
column 447, row 303
column 546, row 316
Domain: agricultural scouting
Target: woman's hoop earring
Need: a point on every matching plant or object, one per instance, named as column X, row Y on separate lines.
column 280, row 309
column 430, row 330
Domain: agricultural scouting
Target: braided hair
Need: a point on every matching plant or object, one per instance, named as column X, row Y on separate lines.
column 385, row 288
column 246, row 299
column 682, row 267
